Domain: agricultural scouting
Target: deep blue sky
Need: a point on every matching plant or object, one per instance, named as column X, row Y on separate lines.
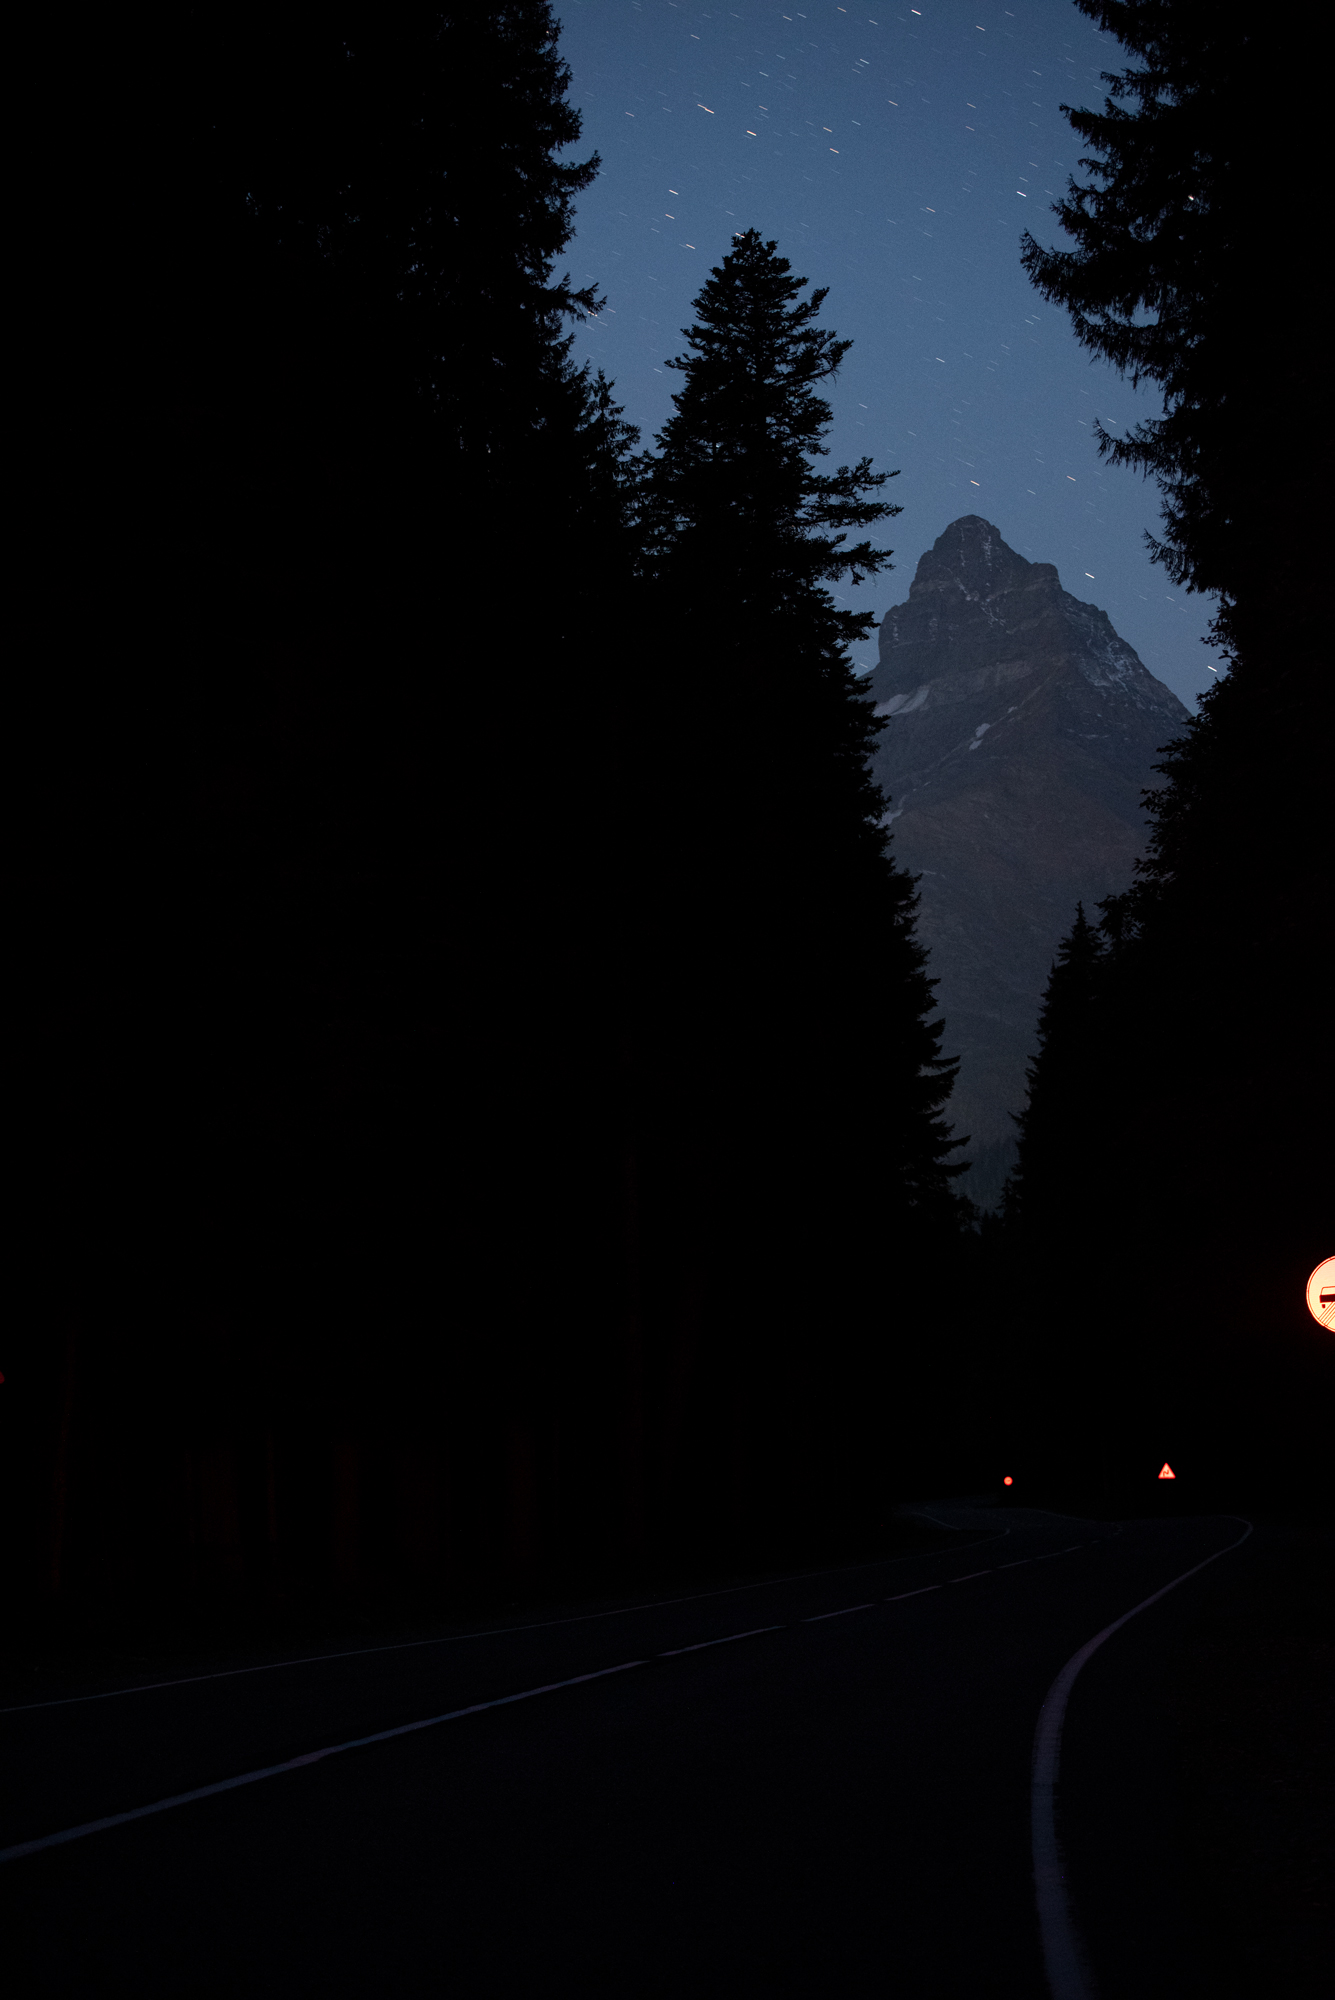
column 894, row 155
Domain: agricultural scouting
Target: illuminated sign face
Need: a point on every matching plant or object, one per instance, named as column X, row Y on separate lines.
column 1321, row 1294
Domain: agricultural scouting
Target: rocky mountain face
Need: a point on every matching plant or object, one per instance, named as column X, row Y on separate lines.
column 1022, row 733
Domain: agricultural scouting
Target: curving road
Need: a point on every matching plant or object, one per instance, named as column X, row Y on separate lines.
column 814, row 1785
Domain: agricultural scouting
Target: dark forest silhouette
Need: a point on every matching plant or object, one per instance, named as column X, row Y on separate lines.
column 486, row 1170
column 500, row 1125
column 1173, row 1139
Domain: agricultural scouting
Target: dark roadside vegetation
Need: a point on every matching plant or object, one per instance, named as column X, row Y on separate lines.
column 1248, row 1684
column 491, row 1133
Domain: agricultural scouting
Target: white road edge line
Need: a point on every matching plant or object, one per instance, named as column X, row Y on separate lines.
column 1063, row 1953
column 820, row 1615
column 972, row 1574
column 913, row 1593
column 490, row 1632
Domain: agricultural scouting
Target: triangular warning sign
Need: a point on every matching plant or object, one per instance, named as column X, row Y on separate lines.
column 1168, row 1472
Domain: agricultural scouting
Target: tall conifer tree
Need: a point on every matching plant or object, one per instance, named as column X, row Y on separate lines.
column 794, row 1011
column 1187, row 204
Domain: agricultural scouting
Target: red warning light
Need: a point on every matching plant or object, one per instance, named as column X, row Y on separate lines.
column 1167, row 1472
column 1008, row 1481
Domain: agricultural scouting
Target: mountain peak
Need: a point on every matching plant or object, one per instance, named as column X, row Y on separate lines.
column 976, row 607
column 970, row 557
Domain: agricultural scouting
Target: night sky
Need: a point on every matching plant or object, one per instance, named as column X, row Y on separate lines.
column 894, row 157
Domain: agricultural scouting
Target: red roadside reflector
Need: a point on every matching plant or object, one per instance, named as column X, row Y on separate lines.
column 1168, row 1472
column 1008, row 1481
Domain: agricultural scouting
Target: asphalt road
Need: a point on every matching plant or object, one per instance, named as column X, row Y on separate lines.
column 836, row 1802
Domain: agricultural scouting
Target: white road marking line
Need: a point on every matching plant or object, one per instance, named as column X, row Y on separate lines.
column 676, row 1652
column 357, row 1743
column 1063, row 1953
column 67, row 1834
column 970, row 1577
column 490, row 1632
column 1016, row 1563
column 295, row 1764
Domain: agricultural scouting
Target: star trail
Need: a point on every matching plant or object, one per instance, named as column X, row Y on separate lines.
column 895, row 158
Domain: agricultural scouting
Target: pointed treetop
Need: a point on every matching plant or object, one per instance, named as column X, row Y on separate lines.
column 735, row 470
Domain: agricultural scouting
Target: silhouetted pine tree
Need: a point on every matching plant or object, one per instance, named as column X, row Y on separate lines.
column 1193, row 155
column 381, row 207
column 790, row 1054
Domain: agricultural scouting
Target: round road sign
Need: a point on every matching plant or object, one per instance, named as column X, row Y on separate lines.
column 1321, row 1294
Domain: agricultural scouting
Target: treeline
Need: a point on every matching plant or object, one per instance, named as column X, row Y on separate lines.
column 494, row 1117
column 1175, row 1184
